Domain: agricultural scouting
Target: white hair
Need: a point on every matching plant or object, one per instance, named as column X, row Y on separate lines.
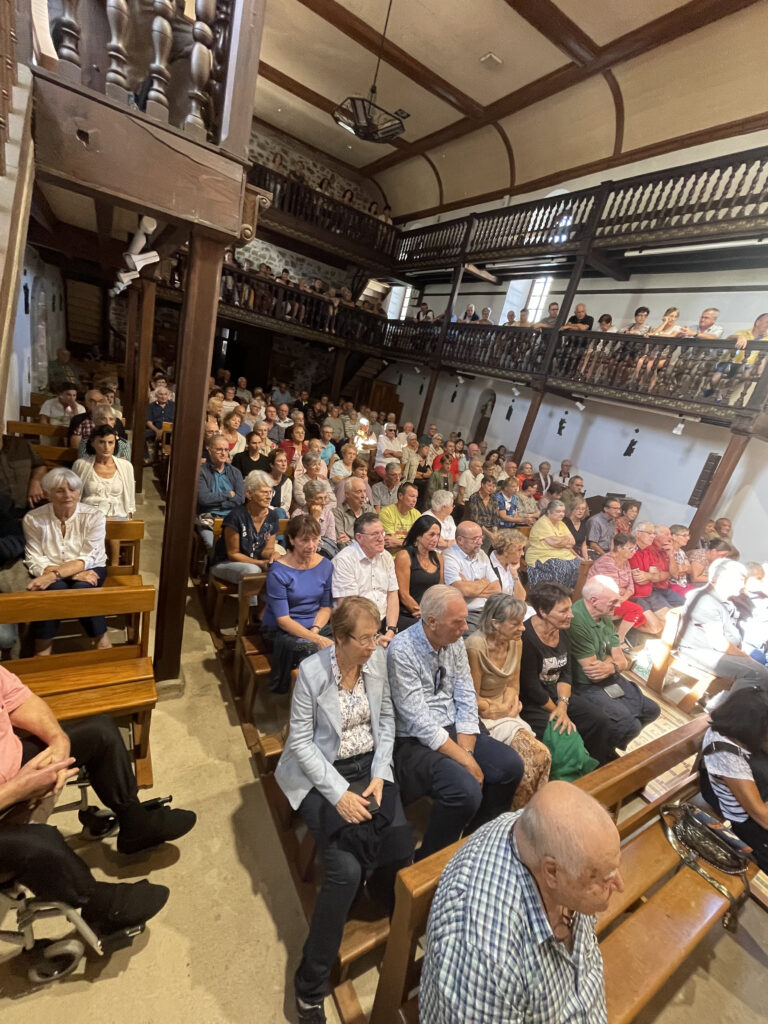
column 257, row 478
column 60, row 475
column 441, row 499
column 435, row 601
column 598, row 585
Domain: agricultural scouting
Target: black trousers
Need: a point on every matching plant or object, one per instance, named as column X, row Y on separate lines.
column 36, row 855
column 752, row 833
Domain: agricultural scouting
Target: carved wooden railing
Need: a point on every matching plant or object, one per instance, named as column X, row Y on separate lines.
column 8, row 76
column 328, row 214
column 518, row 351
column 437, row 243
column 407, row 337
column 545, row 225
column 683, row 370
column 147, row 55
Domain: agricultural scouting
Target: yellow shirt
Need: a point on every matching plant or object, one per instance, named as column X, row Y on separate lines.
column 538, row 550
column 393, row 522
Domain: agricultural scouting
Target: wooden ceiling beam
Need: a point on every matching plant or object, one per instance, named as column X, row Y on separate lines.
column 607, row 265
column 369, row 37
column 558, row 28
column 41, row 212
column 104, row 219
column 683, row 20
column 78, row 244
column 480, row 273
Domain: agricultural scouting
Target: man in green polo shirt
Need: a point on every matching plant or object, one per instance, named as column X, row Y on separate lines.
column 598, row 662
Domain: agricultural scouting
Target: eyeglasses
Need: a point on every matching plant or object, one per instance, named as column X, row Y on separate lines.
column 439, row 677
column 374, row 533
column 366, row 641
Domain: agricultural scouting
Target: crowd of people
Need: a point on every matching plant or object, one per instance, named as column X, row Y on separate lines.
column 327, row 186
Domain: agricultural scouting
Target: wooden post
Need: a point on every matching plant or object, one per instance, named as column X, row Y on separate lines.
column 198, row 323
column 131, row 341
column 145, row 328
column 737, row 445
column 427, row 402
column 338, row 374
column 530, row 419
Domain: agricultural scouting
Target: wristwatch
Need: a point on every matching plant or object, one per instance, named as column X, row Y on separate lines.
column 392, row 629
column 563, row 700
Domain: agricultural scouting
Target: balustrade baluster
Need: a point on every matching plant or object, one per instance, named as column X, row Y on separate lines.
column 160, row 76
column 200, row 64
column 68, row 42
column 117, row 83
column 222, row 26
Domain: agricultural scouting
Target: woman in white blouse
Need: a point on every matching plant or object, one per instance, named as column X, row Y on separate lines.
column 65, row 551
column 107, row 482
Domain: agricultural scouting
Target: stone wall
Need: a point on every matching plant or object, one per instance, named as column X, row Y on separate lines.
column 259, row 251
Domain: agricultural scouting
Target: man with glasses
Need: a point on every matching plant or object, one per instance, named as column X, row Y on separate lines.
column 385, row 491
column 598, row 662
column 602, row 527
column 220, row 486
column 650, row 573
column 468, row 569
column 365, row 569
column 387, row 448
column 442, row 750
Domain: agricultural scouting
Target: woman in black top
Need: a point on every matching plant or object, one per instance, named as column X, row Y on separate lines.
column 251, row 459
column 282, row 486
column 418, row 566
column 421, row 478
column 545, row 680
column 247, row 541
column 576, row 522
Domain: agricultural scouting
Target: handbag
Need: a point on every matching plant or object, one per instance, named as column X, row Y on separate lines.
column 696, row 836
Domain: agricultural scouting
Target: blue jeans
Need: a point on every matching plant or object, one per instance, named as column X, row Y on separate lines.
column 233, row 572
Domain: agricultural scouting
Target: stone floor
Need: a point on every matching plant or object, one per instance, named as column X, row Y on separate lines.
column 228, row 940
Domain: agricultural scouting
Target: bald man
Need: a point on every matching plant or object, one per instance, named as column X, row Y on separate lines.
column 524, row 891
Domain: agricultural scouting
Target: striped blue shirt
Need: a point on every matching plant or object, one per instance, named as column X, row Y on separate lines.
column 491, row 956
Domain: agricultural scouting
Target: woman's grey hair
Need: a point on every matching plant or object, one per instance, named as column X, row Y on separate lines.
column 435, row 601
column 310, row 459
column 258, row 478
column 499, row 608
column 103, row 414
column 441, row 499
column 60, row 475
column 553, row 506
column 314, row 488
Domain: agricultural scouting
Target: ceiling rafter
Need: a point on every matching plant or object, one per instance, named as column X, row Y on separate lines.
column 433, row 165
column 679, row 22
column 558, row 28
column 618, row 104
column 367, row 36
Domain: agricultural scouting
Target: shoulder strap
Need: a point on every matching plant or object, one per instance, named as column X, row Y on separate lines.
column 721, row 747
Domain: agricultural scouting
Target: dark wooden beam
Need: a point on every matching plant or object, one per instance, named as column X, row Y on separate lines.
column 144, row 326
column 198, row 322
column 77, row 243
column 369, row 37
column 618, row 106
column 131, row 344
column 737, row 445
column 530, row 419
column 339, row 363
column 104, row 217
column 480, row 273
column 169, row 239
column 439, row 180
column 510, row 153
column 240, row 82
column 607, row 265
column 558, row 28
column 41, row 212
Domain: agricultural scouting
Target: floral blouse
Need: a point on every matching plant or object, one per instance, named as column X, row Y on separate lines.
column 356, row 732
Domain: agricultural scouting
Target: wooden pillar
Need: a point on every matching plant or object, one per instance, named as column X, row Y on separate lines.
column 198, row 323
column 530, row 419
column 565, row 311
column 737, row 445
column 144, row 325
column 427, row 401
column 338, row 374
column 458, row 273
column 131, row 341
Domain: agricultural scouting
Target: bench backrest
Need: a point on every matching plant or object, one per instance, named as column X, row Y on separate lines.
column 129, row 535
column 250, row 586
column 53, row 456
column 48, row 430
column 660, row 650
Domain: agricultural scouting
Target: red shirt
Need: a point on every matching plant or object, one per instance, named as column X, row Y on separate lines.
column 454, row 467
column 644, row 559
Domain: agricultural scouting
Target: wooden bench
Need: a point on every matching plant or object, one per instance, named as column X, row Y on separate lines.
column 128, row 534
column 659, row 650
column 39, row 430
column 644, row 936
column 118, row 681
column 54, row 457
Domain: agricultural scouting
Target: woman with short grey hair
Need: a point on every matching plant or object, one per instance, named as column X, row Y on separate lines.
column 441, row 507
column 550, row 555
column 317, row 496
column 64, row 550
column 247, row 542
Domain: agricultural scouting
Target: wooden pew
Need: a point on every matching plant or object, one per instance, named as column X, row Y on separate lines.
column 641, row 947
column 663, row 660
column 53, row 457
column 129, row 535
column 119, row 681
column 57, row 435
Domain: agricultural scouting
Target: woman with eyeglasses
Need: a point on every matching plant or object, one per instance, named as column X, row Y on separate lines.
column 336, row 770
column 616, row 565
column 247, row 542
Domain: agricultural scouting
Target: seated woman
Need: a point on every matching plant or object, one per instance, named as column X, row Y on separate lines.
column 231, row 430
column 526, row 500
column 629, row 511
column 107, row 482
column 507, row 500
column 507, row 549
column 615, row 564
column 251, row 459
column 421, row 476
column 342, row 468
column 558, row 717
column 282, row 486
column 738, row 736
column 494, row 651
column 247, row 542
column 336, row 770
column 64, row 550
column 312, row 468
column 294, row 445
column 319, row 503
column 298, row 601
column 441, row 507
column 418, row 567
column 101, row 415
column 576, row 521
column 550, row 554
column 440, row 479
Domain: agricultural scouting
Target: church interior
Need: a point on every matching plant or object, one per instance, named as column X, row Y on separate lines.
column 533, row 230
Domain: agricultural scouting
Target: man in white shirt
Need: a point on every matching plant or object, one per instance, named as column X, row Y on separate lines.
column 564, row 476
column 469, row 481
column 468, row 568
column 365, row 569
column 283, row 420
column 387, row 448
column 402, row 437
column 706, row 329
column 60, row 410
column 510, row 469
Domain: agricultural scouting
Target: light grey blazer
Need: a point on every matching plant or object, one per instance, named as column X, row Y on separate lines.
column 315, row 734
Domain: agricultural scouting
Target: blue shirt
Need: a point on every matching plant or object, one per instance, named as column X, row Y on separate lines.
column 431, row 690
column 159, row 414
column 508, row 505
column 213, row 489
column 327, row 452
column 491, row 956
column 300, row 593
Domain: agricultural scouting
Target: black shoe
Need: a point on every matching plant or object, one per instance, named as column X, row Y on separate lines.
column 142, row 828
column 310, row 1013
column 110, row 908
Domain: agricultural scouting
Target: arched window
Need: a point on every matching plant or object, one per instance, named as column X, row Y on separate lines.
column 482, row 417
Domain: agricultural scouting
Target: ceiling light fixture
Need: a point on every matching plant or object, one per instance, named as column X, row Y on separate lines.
column 363, row 117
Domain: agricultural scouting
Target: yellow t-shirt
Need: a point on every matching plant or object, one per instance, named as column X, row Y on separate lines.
column 538, row 550
column 393, row 522
column 743, row 355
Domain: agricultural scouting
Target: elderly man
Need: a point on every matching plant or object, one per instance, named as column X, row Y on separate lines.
column 598, row 662
column 472, row 451
column 402, row 437
column 650, row 572
column 573, row 493
column 707, row 328
column 469, row 482
column 564, row 476
column 220, row 487
column 37, row 766
column 580, row 320
column 161, row 410
column 283, row 419
column 442, row 750
column 335, row 422
column 397, row 519
column 512, row 924
column 411, row 458
column 709, row 636
column 328, row 449
column 354, row 504
column 243, row 392
column 602, row 526
column 510, row 469
column 428, row 438
column 82, row 424
column 468, row 569
column 385, row 491
column 387, row 448
column 364, row 568
column 274, row 432
column 61, row 410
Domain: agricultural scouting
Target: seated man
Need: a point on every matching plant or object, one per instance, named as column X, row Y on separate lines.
column 61, row 410
column 38, row 766
column 469, row 570
column 385, row 491
column 81, row 426
column 572, row 493
column 220, row 486
column 442, row 750
column 580, row 320
column 62, row 372
column 650, row 573
column 160, row 410
column 598, row 662
column 499, row 937
column 744, row 360
column 365, row 569
column 602, row 527
column 615, row 565
column 709, row 636
column 354, row 504
column 397, row 519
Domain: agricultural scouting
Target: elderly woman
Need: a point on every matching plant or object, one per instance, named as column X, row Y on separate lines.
column 247, row 542
column 550, row 554
column 312, row 468
column 507, row 549
column 336, row 770
column 298, row 601
column 494, row 652
column 64, row 550
column 319, row 503
column 105, row 415
column 418, row 566
column 507, row 500
column 107, row 482
column 231, row 430
column 441, row 507
column 615, row 564
column 342, row 468
column 629, row 512
column 527, row 506
column 282, row 486
column 410, row 458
